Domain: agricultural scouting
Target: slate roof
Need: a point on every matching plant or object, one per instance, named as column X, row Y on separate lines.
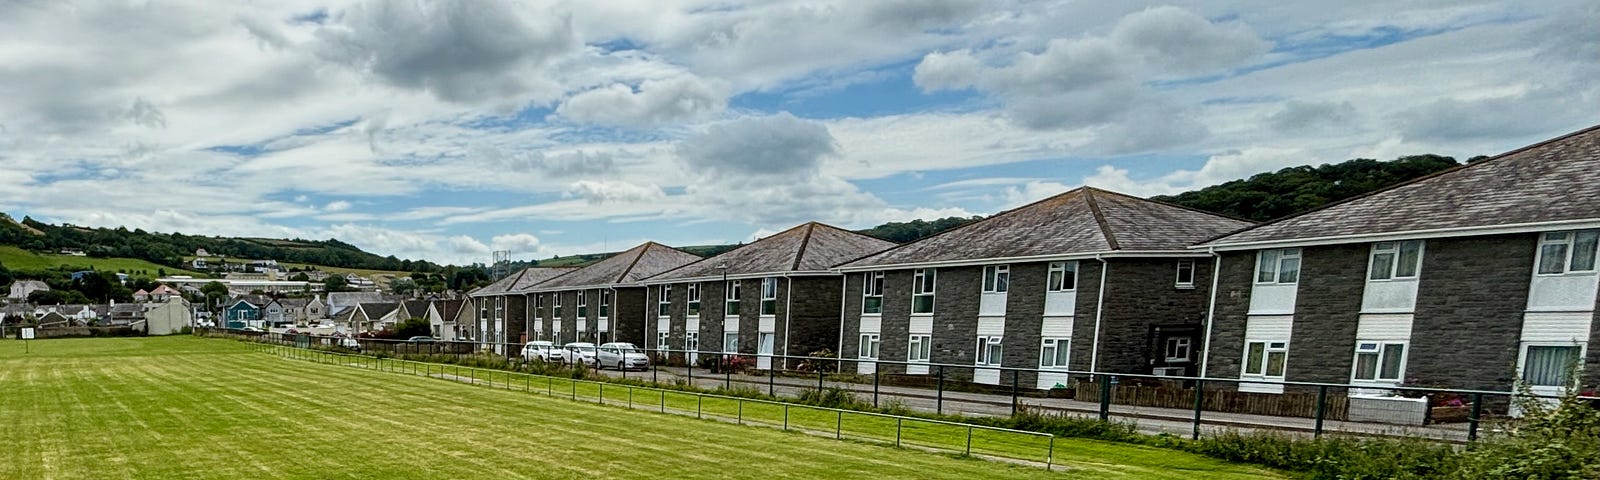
column 377, row 310
column 294, row 302
column 1080, row 221
column 448, row 309
column 339, row 300
column 1550, row 181
column 416, row 308
column 522, row 280
column 631, row 266
column 810, row 247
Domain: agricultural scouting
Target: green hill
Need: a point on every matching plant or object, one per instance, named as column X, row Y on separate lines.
column 16, row 258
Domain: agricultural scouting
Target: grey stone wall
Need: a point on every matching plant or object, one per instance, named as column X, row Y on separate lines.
column 1470, row 301
column 628, row 315
column 955, row 318
column 516, row 319
column 1235, row 279
column 814, row 316
column 1024, row 318
column 1084, row 314
column 1142, row 293
column 1327, row 311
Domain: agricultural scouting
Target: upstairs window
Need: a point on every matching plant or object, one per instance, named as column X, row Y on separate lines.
column 694, row 299
column 730, row 295
column 872, row 293
column 1063, row 277
column 1278, row 266
column 769, row 296
column 1185, row 274
column 922, row 287
column 555, row 305
column 605, row 303
column 583, row 304
column 996, row 278
column 1392, row 260
column 1567, row 252
column 664, row 302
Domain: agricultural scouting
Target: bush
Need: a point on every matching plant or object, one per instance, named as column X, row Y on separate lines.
column 832, row 397
column 1331, row 457
column 1557, row 441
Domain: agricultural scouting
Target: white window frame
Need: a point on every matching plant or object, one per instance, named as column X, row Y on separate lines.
column 996, row 278
column 691, row 341
column 1379, row 349
column 663, row 340
column 1568, row 243
column 1053, row 349
column 730, row 298
column 1522, row 360
column 1276, row 259
column 583, row 304
column 605, row 303
column 1269, row 347
column 870, row 347
column 555, row 305
column 1052, row 284
column 730, row 347
column 499, row 308
column 1394, row 250
column 1178, row 276
column 664, row 301
column 769, row 296
column 925, row 283
column 766, row 342
column 919, row 347
column 872, row 287
column 986, row 350
column 694, row 300
column 1185, row 343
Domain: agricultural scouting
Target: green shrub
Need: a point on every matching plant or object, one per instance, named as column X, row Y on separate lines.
column 1558, row 441
column 1332, row 457
column 832, row 397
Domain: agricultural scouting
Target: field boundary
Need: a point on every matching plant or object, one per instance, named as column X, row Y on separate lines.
column 596, row 391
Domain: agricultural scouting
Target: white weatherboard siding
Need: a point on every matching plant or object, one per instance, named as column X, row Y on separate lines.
column 991, row 326
column 1571, row 292
column 1054, row 327
column 1272, row 299
column 1384, row 327
column 1565, row 327
column 1390, row 296
column 922, row 325
column 1273, row 328
column 1060, row 303
column 992, row 304
column 663, row 326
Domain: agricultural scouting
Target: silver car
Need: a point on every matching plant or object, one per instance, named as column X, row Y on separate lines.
column 577, row 352
column 543, row 351
column 623, row 356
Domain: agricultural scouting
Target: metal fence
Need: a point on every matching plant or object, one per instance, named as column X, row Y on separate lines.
column 900, row 431
column 1153, row 403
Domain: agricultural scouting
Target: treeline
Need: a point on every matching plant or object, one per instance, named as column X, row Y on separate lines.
column 1293, row 190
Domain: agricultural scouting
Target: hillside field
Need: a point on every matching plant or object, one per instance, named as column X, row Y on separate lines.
column 186, row 407
column 17, row 258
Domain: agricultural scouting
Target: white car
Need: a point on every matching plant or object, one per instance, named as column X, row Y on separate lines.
column 579, row 352
column 622, row 356
column 350, row 343
column 542, row 351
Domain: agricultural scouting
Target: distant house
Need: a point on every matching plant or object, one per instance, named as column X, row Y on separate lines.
column 141, row 296
column 198, row 264
column 125, row 314
column 502, row 307
column 316, row 310
column 612, row 287
column 441, row 316
column 73, row 252
column 244, row 312
column 21, row 288
column 168, row 317
column 201, row 252
column 338, row 301
column 162, row 292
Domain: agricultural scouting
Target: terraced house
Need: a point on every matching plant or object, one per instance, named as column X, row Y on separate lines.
column 776, row 295
column 1471, row 278
column 1088, row 280
column 499, row 310
column 603, row 301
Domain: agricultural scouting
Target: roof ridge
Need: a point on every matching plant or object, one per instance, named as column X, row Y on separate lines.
column 635, row 261
column 805, row 241
column 966, row 225
column 1100, row 218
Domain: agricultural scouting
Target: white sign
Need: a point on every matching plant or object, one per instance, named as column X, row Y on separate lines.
column 27, row 333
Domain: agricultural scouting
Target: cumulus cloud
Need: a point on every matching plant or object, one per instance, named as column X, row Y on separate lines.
column 457, row 50
column 654, row 102
column 1304, row 116
column 766, row 146
column 336, row 206
column 516, row 243
column 1181, row 41
column 603, row 192
column 1217, row 169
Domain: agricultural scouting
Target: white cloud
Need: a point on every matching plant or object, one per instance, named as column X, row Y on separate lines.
column 516, row 243
column 336, row 206
column 655, row 102
column 601, row 192
column 772, row 145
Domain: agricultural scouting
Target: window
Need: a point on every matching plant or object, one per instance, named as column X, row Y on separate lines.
column 499, row 308
column 1392, row 260
column 922, row 283
column 1185, row 274
column 1379, row 361
column 730, row 342
column 664, row 303
column 1178, row 349
column 869, row 346
column 764, row 346
column 556, row 304
column 663, row 340
column 920, row 347
column 1054, row 353
column 872, row 293
column 483, row 309
column 1063, row 277
column 1549, row 366
column 996, row 278
column 988, row 350
column 730, row 303
column 1278, row 266
column 769, row 296
column 605, row 304
column 691, row 341
column 694, row 299
column 1565, row 252
column 1266, row 359
column 583, row 304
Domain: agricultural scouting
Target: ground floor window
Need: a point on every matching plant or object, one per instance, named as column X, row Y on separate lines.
column 730, row 342
column 1266, row 359
column 663, row 340
column 869, row 346
column 764, row 347
column 1053, row 354
column 920, row 347
column 1177, row 349
column 1379, row 361
column 989, row 350
column 1549, row 366
column 691, row 341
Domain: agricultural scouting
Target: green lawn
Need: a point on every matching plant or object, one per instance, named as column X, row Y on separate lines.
column 18, row 258
column 184, row 407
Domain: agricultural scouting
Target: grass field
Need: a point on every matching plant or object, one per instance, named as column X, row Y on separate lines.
column 18, row 258
column 184, row 407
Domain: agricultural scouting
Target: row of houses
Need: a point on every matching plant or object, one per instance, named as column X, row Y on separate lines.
column 1471, row 278
column 154, row 317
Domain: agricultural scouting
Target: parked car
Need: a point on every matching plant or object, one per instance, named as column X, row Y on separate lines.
column 576, row 352
column 421, row 339
column 543, row 351
column 350, row 343
column 622, row 356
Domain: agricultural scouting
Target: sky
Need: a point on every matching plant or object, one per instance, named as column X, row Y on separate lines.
column 446, row 130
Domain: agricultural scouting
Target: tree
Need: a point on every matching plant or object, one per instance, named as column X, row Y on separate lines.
column 300, row 277
column 403, row 286
column 1293, row 190
column 56, row 297
column 415, row 327
column 335, row 283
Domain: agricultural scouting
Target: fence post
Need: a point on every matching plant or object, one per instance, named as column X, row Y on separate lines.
column 602, row 392
column 550, row 386
column 898, row 421
column 691, row 369
column 630, row 397
column 939, row 401
column 772, row 374
column 1050, row 456
column 874, row 387
column 1014, row 375
column 969, row 440
column 1477, row 412
column 727, row 369
column 699, row 402
column 1199, row 395
column 838, row 426
column 1322, row 401
column 1105, row 398
column 785, row 417
column 739, row 417
column 819, row 380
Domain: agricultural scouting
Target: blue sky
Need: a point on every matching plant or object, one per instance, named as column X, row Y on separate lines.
column 445, row 130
